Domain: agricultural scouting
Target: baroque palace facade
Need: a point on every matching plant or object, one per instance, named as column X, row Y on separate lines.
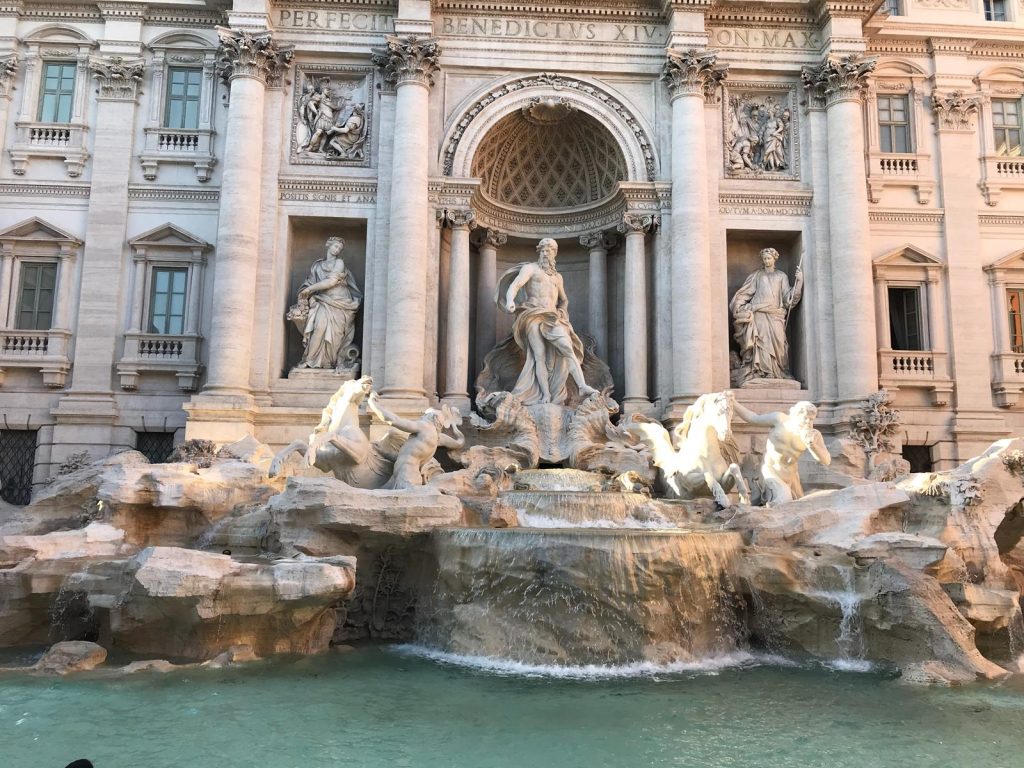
column 171, row 172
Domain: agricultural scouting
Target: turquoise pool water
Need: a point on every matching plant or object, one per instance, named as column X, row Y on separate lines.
column 382, row 707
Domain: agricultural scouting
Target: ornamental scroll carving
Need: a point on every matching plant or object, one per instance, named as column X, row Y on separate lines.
column 837, row 80
column 555, row 82
column 331, row 123
column 954, row 110
column 251, row 54
column 118, row 78
column 758, row 135
column 693, row 72
column 637, row 222
column 408, row 59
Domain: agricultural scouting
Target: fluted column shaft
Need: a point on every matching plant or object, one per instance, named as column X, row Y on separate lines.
column 456, row 390
column 598, row 244
column 486, row 284
column 252, row 60
column 841, row 84
column 635, row 227
column 691, row 77
column 409, row 64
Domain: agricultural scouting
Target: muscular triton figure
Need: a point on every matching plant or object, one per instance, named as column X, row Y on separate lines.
column 533, row 291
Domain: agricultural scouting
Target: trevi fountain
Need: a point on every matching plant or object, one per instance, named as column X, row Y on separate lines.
column 436, row 590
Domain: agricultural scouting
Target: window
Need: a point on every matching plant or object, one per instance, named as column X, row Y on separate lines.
column 17, row 461
column 995, row 10
column 155, row 446
column 36, row 288
column 58, row 92
column 894, row 124
column 905, row 327
column 1006, row 114
column 167, row 300
column 183, row 92
column 894, row 7
column 1014, row 305
column 918, row 456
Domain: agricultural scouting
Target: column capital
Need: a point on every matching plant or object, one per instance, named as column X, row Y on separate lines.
column 118, row 77
column 835, row 80
column 953, row 111
column 490, row 237
column 638, row 223
column 693, row 73
column 598, row 241
column 251, row 54
column 408, row 59
column 460, row 218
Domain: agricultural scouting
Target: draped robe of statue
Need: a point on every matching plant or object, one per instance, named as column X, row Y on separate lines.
column 553, row 324
column 331, row 324
column 759, row 309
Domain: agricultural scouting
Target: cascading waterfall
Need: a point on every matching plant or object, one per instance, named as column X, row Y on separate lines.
column 583, row 596
column 850, row 640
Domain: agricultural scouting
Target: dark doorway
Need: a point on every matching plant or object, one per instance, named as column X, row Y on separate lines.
column 919, row 456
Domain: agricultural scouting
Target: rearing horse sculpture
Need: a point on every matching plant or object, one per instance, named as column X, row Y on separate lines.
column 338, row 445
column 703, row 458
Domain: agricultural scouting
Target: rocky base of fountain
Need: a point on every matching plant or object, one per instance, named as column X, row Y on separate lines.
column 542, row 566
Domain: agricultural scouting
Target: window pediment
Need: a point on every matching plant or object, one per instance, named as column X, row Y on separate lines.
column 37, row 230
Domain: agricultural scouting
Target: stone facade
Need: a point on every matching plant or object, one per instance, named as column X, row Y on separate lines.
column 164, row 192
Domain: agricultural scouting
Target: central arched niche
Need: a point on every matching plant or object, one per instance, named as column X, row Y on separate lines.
column 549, row 158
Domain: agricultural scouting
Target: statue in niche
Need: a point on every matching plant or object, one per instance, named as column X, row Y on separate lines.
column 335, row 125
column 534, row 293
column 760, row 311
column 758, row 137
column 790, row 435
column 326, row 314
column 416, row 456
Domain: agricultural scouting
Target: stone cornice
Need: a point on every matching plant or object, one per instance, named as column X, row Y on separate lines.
column 408, row 59
column 177, row 194
column 900, row 216
column 772, row 204
column 693, row 72
column 302, row 188
column 44, row 190
column 251, row 54
column 997, row 220
column 752, row 13
column 595, row 9
column 123, row 10
column 118, row 78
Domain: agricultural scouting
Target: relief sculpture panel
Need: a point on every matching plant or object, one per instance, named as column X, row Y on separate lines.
column 331, row 119
column 761, row 132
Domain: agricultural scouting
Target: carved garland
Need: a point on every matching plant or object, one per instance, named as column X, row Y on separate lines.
column 554, row 81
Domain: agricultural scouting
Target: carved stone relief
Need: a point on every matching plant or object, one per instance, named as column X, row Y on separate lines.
column 331, row 118
column 954, row 110
column 760, row 134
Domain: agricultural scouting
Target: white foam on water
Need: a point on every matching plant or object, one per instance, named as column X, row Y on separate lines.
column 850, row 665
column 527, row 520
column 507, row 667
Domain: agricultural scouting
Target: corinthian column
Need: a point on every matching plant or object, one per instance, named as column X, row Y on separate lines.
column 692, row 76
column 635, row 226
column 841, row 83
column 486, row 284
column 598, row 243
column 409, row 63
column 248, row 60
column 456, row 367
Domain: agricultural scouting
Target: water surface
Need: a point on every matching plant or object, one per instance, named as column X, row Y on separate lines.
column 377, row 707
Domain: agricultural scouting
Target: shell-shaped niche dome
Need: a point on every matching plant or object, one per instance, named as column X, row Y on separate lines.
column 549, row 156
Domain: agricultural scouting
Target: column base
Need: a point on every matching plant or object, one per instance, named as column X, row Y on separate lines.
column 222, row 418
column 404, row 402
column 461, row 403
column 640, row 405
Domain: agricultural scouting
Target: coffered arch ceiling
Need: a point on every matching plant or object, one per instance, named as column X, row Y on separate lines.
column 549, row 156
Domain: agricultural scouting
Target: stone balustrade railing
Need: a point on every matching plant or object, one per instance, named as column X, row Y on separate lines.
column 921, row 369
column 45, row 351
column 160, row 353
column 171, row 145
